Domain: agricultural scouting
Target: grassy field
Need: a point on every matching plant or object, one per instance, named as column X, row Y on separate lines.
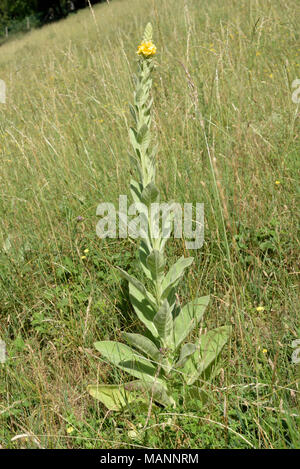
column 229, row 137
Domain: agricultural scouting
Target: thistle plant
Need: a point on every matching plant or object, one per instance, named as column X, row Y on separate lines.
column 159, row 357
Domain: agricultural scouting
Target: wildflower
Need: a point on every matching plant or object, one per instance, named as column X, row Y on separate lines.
column 259, row 309
column 83, row 257
column 70, row 430
column 79, row 218
column 258, row 53
column 147, row 49
column 86, row 251
column 277, row 183
column 271, row 75
column 264, row 350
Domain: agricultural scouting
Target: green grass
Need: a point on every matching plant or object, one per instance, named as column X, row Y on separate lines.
column 63, row 142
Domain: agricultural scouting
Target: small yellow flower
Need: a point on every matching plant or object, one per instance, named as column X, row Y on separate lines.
column 146, row 49
column 86, row 251
column 271, row 75
column 83, row 257
column 264, row 350
column 258, row 53
column 277, row 183
column 259, row 309
column 70, row 430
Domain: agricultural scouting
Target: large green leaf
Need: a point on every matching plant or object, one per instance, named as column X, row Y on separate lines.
column 136, row 164
column 174, row 274
column 114, row 397
column 143, row 254
column 142, row 133
column 143, row 308
column 133, row 113
column 186, row 351
column 137, row 285
column 127, row 359
column 211, row 345
column 150, row 194
column 132, row 131
column 163, row 320
column 156, row 390
column 136, row 188
column 156, row 264
column 144, row 344
column 189, row 316
column 207, row 352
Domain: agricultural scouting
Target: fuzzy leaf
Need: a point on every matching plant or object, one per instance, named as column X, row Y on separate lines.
column 144, row 344
column 142, row 133
column 146, row 390
column 163, row 320
column 146, row 142
column 143, row 308
column 156, row 263
column 135, row 188
column 114, row 397
column 143, row 254
column 186, row 351
column 127, row 359
column 211, row 345
column 150, row 194
column 133, row 112
column 189, row 316
column 174, row 274
column 207, row 352
column 133, row 138
column 138, row 285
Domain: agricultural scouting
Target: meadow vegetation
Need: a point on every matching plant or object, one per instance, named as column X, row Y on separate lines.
column 228, row 134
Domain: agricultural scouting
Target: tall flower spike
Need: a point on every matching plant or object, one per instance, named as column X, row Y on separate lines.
column 156, row 358
column 147, row 48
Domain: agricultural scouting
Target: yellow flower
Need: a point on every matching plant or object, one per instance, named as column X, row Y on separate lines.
column 83, row 257
column 70, row 430
column 264, row 350
column 147, row 49
column 86, row 251
column 258, row 53
column 277, row 182
column 260, row 309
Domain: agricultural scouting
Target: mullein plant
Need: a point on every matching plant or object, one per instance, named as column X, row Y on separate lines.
column 159, row 358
